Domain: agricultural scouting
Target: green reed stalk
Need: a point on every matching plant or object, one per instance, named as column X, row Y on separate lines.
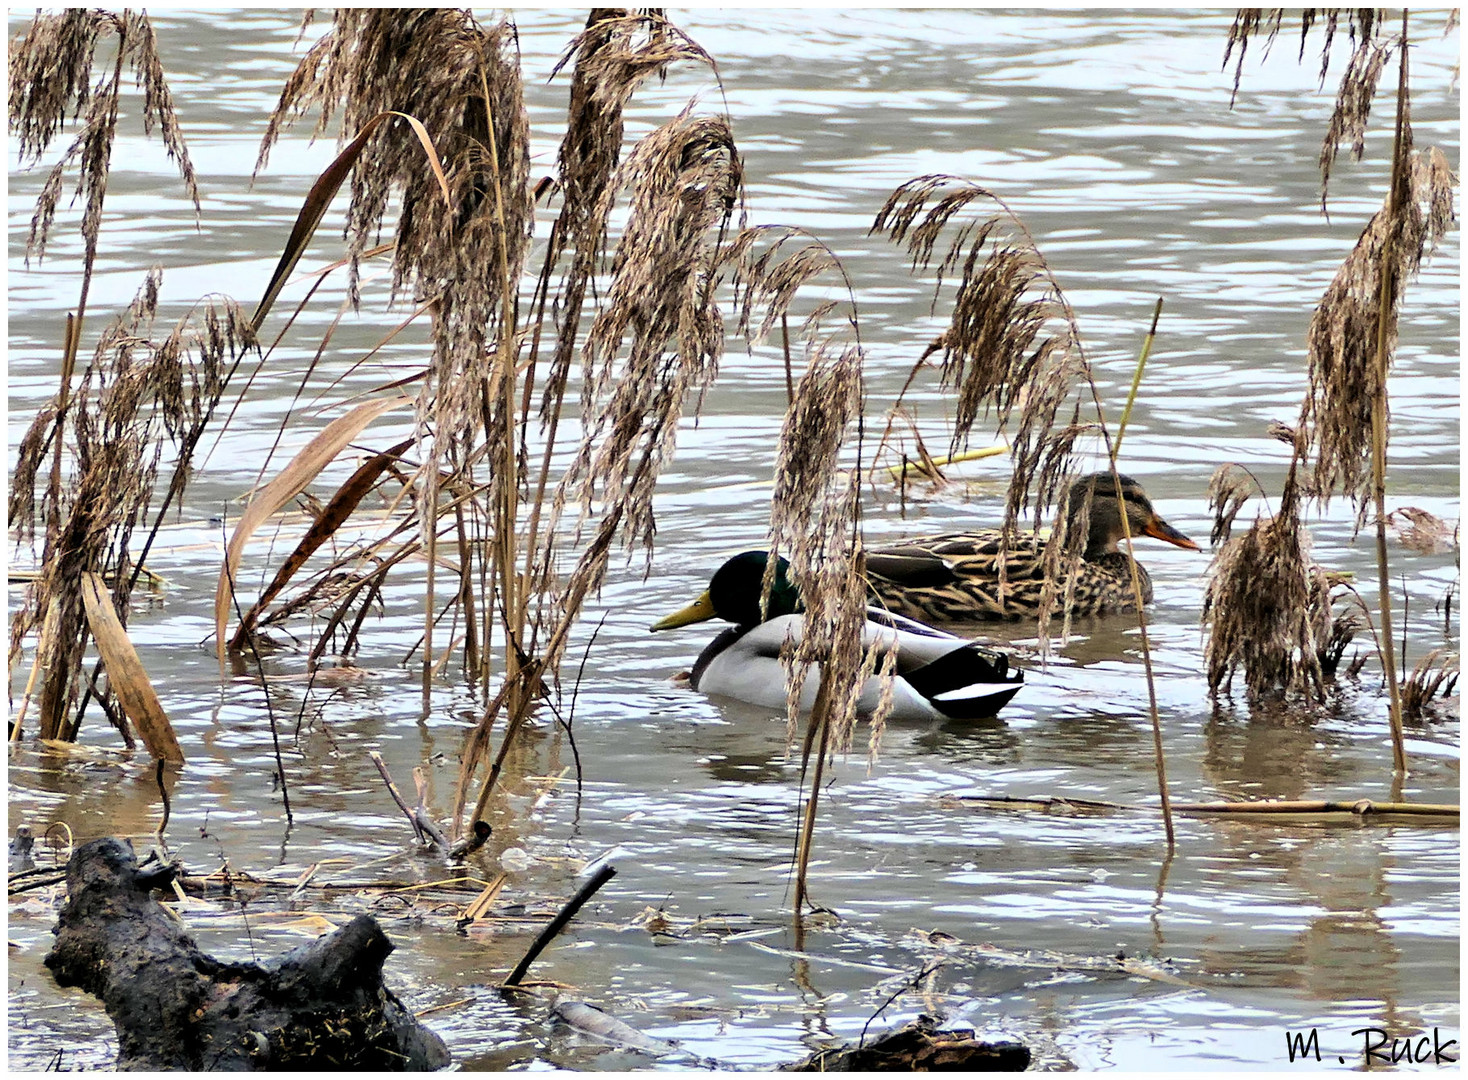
column 1131, row 397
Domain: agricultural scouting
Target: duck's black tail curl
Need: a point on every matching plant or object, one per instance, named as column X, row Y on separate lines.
column 968, row 683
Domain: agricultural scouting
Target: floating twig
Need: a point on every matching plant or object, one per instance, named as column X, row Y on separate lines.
column 1362, row 808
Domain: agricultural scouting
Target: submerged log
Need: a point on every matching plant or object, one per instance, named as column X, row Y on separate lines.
column 320, row 1006
column 919, row 1047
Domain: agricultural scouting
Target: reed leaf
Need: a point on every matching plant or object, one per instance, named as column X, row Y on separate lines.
column 332, row 517
column 318, row 201
column 125, row 674
column 287, row 484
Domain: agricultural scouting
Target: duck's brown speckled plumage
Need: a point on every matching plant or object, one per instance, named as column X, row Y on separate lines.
column 955, row 577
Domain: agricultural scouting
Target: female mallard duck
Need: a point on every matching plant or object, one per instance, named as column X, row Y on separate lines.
column 938, row 675
column 955, row 578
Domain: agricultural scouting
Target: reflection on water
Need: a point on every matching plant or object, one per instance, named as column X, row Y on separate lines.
column 1111, row 134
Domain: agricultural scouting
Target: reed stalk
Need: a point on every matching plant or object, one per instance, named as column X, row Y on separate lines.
column 1159, row 758
column 817, row 744
column 1131, row 397
column 1397, row 189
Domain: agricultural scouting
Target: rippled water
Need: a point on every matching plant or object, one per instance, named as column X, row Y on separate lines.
column 1110, row 133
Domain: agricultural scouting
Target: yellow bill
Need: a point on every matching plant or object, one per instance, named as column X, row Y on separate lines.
column 698, row 611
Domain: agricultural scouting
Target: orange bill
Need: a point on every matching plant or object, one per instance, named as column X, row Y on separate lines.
column 1161, row 530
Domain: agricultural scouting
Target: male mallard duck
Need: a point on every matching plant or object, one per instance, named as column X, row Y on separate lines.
column 938, row 675
column 955, row 578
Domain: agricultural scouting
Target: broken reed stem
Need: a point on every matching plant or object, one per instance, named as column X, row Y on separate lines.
column 1248, row 807
column 1361, row 808
column 1396, row 184
column 929, row 465
column 603, row 875
column 392, row 789
column 1131, row 397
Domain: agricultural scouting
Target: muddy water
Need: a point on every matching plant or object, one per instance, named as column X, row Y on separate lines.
column 1112, row 136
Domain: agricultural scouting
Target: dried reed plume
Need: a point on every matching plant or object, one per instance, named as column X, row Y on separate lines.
column 1361, row 23
column 613, row 55
column 136, row 393
column 462, row 82
column 50, row 76
column 815, row 510
column 812, row 520
column 654, row 343
column 1267, row 603
column 1345, row 378
column 686, row 180
column 1343, row 419
column 1011, row 347
column 1422, row 532
column 136, row 396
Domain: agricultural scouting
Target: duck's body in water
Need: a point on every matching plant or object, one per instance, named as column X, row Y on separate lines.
column 938, row 675
column 956, row 577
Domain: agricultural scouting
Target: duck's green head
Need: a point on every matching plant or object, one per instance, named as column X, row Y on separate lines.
column 733, row 594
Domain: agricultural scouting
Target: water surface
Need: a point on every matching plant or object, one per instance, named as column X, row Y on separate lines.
column 1111, row 134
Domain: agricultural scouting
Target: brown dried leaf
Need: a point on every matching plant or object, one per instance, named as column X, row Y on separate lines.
column 125, row 674
column 289, row 483
column 331, row 518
